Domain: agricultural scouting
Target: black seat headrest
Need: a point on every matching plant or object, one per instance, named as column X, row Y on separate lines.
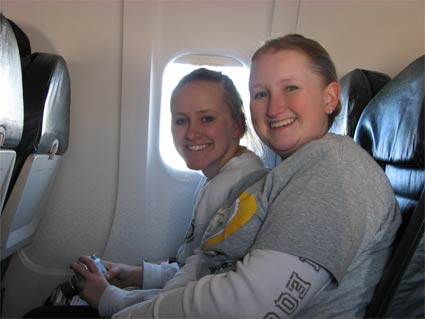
column 358, row 87
column 377, row 80
column 24, row 44
column 47, row 97
column 391, row 127
column 11, row 100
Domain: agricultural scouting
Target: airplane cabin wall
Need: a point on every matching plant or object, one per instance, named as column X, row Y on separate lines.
column 376, row 35
column 168, row 20
column 113, row 196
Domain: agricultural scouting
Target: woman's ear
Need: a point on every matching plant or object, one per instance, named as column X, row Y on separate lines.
column 240, row 127
column 332, row 92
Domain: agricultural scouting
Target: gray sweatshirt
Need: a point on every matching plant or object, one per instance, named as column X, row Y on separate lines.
column 328, row 205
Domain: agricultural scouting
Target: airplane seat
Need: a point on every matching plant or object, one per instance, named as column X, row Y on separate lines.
column 408, row 268
column 24, row 45
column 46, row 95
column 391, row 129
column 11, row 104
column 358, row 87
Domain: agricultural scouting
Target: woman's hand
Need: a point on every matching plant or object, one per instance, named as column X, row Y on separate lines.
column 123, row 276
column 94, row 283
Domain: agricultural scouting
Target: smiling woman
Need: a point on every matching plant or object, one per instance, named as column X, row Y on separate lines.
column 173, row 72
column 204, row 131
column 208, row 120
column 294, row 93
column 290, row 103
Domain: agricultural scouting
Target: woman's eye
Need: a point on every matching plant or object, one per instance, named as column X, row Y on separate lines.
column 259, row 95
column 207, row 119
column 291, row 88
column 179, row 121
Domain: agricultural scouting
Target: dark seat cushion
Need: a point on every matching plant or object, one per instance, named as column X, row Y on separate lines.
column 391, row 129
column 358, row 87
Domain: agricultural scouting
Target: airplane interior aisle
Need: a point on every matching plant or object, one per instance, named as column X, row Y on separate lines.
column 114, row 194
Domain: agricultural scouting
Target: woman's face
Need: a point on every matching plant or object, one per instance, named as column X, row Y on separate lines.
column 204, row 132
column 289, row 102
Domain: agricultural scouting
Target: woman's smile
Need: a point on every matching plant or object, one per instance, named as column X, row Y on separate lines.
column 282, row 123
column 198, row 147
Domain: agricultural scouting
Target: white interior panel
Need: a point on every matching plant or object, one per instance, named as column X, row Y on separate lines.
column 26, row 204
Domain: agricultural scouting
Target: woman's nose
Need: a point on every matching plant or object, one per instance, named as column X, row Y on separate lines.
column 275, row 106
column 193, row 131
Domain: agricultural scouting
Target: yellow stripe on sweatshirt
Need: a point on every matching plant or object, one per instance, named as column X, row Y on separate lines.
column 246, row 209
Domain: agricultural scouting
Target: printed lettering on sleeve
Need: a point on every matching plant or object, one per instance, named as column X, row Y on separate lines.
column 287, row 302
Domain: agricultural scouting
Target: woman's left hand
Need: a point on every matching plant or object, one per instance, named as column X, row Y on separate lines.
column 94, row 283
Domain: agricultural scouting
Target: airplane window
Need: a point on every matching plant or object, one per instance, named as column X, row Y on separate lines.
column 173, row 72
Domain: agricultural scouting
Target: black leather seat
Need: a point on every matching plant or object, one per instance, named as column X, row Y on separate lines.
column 358, row 87
column 401, row 293
column 46, row 95
column 391, row 129
column 11, row 102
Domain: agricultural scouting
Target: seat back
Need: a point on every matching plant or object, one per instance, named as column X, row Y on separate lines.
column 391, row 129
column 11, row 104
column 401, row 292
column 46, row 91
column 358, row 87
